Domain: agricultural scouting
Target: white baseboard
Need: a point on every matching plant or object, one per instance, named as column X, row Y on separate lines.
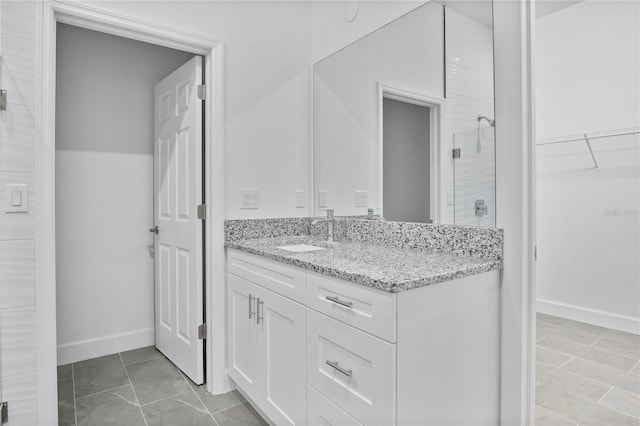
column 590, row 316
column 105, row 345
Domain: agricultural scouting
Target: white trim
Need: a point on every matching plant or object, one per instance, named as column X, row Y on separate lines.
column 590, row 316
column 513, row 23
column 52, row 12
column 105, row 345
column 436, row 107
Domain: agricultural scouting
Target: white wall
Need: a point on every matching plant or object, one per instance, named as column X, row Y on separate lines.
column 267, row 92
column 104, row 190
column 17, row 234
column 588, row 68
column 331, row 30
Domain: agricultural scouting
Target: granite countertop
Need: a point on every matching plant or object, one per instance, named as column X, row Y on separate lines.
column 386, row 268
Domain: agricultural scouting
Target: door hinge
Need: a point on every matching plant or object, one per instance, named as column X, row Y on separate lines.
column 535, row 253
column 3, row 100
column 202, row 331
column 4, row 412
column 202, row 92
column 456, row 152
column 202, row 211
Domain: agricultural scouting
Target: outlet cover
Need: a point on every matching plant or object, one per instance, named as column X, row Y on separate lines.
column 322, row 199
column 361, row 199
column 299, row 199
column 249, row 199
column 450, row 198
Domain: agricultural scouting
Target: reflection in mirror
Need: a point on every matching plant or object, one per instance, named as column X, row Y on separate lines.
column 392, row 110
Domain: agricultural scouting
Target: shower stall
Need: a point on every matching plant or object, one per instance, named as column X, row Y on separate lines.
column 474, row 174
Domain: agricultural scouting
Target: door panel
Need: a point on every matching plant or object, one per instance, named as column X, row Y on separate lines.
column 243, row 346
column 178, row 244
column 283, row 363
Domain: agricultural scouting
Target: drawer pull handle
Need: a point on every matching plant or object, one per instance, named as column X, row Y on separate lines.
column 335, row 365
column 259, row 310
column 251, row 313
column 334, row 299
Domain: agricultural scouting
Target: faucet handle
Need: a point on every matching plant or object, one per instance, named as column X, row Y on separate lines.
column 329, row 213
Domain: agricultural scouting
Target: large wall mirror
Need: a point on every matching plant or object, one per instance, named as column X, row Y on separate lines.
column 404, row 119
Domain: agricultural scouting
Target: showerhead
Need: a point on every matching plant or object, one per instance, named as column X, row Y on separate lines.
column 492, row 123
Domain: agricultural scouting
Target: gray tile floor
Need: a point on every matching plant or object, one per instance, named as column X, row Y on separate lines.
column 585, row 374
column 142, row 388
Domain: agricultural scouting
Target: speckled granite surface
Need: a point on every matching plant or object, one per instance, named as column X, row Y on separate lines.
column 387, row 268
column 454, row 239
column 390, row 256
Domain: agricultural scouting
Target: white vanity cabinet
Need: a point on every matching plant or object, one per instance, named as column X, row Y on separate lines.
column 427, row 356
column 266, row 341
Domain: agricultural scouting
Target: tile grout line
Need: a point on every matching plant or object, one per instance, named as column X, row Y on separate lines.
column 199, row 399
column 102, row 391
column 594, row 333
column 566, row 362
column 595, row 380
column 73, row 382
column 605, row 394
column 587, row 346
column 231, row 406
column 615, row 409
column 631, row 369
column 582, row 375
column 165, row 399
column 140, row 362
column 559, row 415
column 133, row 389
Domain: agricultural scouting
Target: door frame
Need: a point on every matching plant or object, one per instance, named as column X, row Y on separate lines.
column 52, row 12
column 436, row 106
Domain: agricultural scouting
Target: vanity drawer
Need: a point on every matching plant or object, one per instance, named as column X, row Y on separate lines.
column 368, row 309
column 278, row 277
column 322, row 412
column 362, row 378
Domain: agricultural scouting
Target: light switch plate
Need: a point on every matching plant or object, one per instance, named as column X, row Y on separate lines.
column 361, row 199
column 16, row 198
column 249, row 198
column 299, row 199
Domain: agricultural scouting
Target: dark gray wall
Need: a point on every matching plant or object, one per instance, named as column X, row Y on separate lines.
column 406, row 183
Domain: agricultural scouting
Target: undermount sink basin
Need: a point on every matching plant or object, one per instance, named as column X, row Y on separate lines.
column 301, row 248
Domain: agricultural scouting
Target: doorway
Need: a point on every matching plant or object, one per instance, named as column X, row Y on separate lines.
column 406, row 143
column 212, row 51
column 105, row 192
column 410, row 166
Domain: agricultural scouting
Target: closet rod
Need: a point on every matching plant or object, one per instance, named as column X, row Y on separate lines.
column 590, row 136
column 587, row 137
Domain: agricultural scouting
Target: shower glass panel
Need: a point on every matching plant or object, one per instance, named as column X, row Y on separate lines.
column 474, row 177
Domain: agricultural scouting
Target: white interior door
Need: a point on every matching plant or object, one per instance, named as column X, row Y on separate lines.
column 178, row 242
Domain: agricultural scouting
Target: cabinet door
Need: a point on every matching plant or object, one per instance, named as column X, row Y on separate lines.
column 243, row 335
column 283, row 362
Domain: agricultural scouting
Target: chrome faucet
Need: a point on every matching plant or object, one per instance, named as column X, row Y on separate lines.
column 330, row 221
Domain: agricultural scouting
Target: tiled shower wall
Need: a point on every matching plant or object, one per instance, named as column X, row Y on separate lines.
column 469, row 62
column 17, row 253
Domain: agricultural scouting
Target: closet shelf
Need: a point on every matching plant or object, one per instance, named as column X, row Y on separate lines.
column 587, row 137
